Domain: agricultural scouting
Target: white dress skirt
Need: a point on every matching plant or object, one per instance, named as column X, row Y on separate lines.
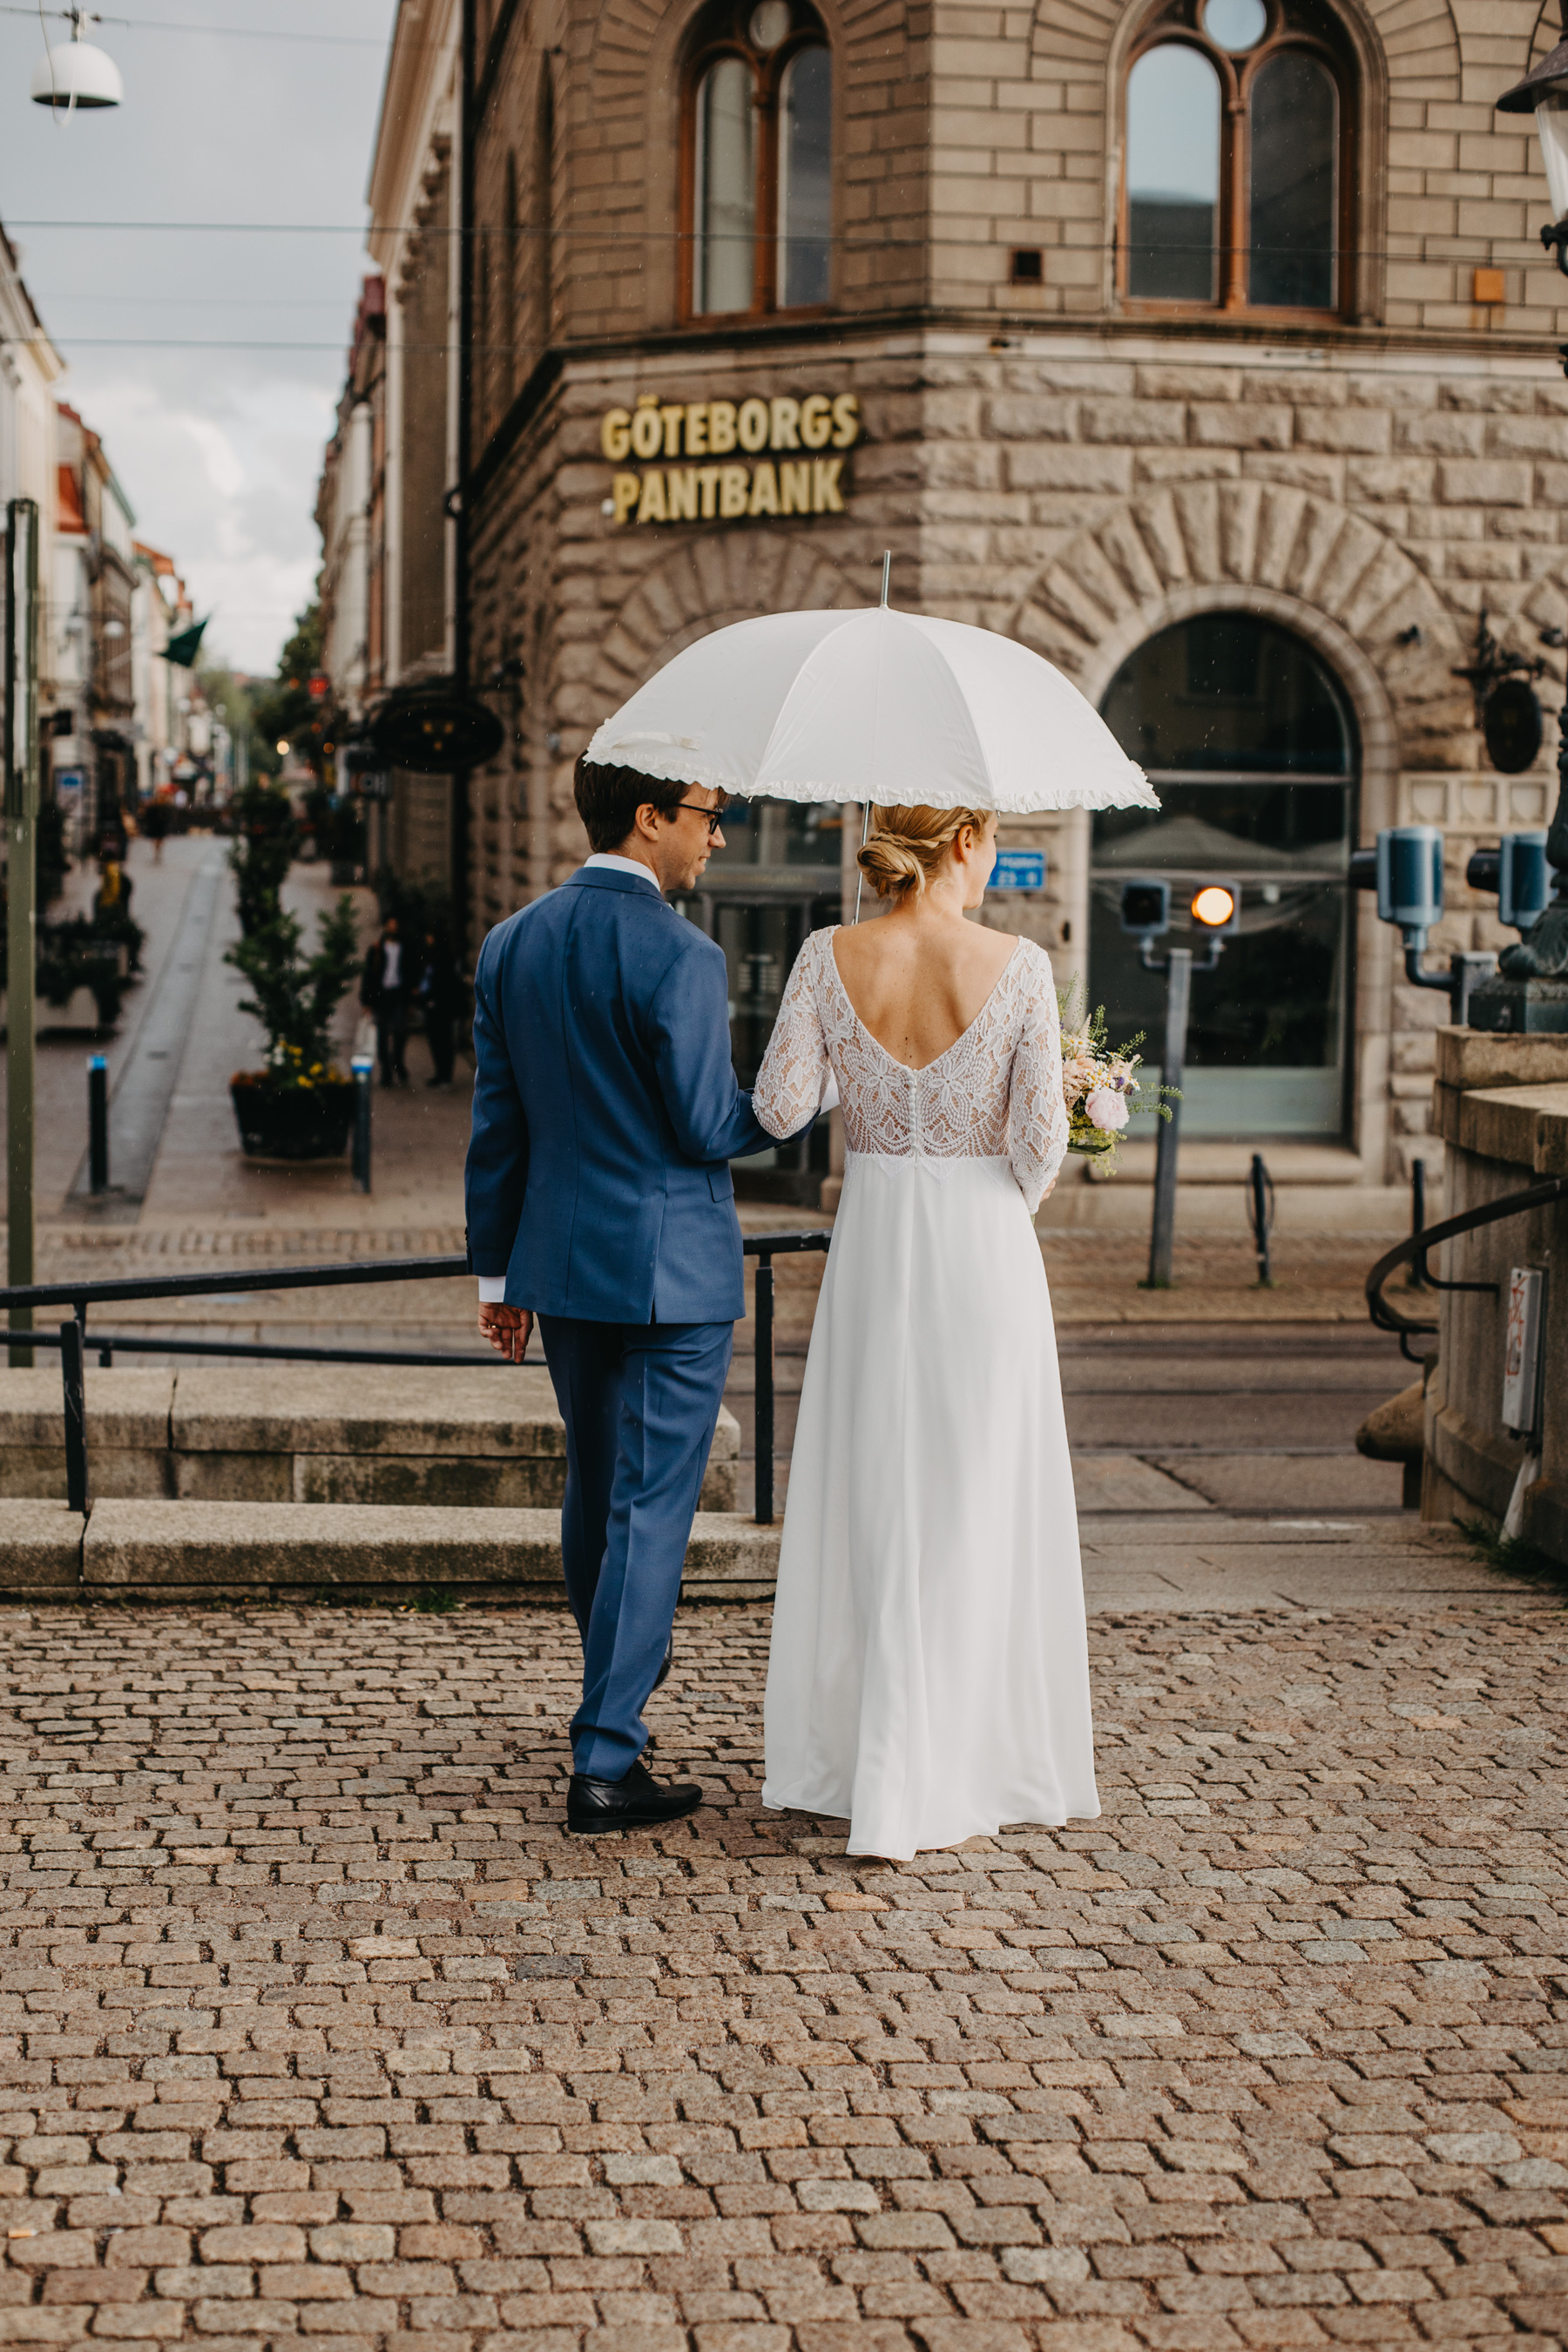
column 927, row 1679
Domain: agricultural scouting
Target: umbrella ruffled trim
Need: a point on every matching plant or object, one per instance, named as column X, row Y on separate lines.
column 670, row 760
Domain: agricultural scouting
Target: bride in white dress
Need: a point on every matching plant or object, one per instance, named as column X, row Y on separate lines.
column 929, row 1676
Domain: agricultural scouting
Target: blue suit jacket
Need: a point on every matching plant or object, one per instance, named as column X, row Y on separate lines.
column 606, row 1110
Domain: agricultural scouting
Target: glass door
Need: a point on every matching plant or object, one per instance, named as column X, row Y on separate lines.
column 1247, row 739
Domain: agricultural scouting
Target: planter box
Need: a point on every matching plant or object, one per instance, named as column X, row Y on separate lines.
column 291, row 1124
column 80, row 1011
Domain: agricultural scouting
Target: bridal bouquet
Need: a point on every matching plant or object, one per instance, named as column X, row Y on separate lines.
column 1102, row 1086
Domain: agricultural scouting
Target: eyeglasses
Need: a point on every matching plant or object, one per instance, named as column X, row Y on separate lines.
column 715, row 817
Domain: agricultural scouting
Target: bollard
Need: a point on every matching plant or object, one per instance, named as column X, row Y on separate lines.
column 1418, row 1222
column 363, row 1068
column 1163, row 1233
column 98, row 1123
column 1261, row 1215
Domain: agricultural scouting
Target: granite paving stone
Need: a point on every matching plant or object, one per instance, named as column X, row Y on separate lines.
column 316, row 2027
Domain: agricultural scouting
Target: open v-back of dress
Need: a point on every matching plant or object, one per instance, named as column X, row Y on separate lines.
column 929, row 1674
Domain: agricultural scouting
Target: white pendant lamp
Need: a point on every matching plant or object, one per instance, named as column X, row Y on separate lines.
column 75, row 75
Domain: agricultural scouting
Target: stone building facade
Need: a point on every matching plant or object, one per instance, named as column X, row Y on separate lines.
column 1064, row 430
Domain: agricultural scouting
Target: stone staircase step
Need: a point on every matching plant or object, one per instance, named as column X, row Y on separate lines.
column 154, row 1549
column 471, row 1437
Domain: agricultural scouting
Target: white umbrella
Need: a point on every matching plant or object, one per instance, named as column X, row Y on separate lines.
column 875, row 706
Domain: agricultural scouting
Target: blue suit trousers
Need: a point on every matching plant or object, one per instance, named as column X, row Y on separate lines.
column 641, row 1402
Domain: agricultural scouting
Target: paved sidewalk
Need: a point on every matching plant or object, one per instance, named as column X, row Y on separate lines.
column 318, row 2027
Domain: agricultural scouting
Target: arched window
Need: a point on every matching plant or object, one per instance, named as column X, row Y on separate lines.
column 1246, row 736
column 1238, row 171
column 758, row 159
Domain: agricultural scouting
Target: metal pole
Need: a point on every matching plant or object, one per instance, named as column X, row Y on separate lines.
column 21, row 785
column 1418, row 1220
column 363, row 1068
column 1178, row 995
column 859, row 875
column 1260, row 1193
column 73, row 1380
column 764, row 1400
column 98, row 1122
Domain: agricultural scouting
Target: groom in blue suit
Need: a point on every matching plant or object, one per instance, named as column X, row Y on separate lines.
column 600, row 1201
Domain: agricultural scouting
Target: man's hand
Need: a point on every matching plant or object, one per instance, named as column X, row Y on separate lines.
column 506, row 1328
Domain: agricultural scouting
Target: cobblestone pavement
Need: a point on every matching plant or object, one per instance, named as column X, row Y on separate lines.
column 316, row 2025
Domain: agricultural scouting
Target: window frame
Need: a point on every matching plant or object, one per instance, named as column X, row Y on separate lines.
column 1233, row 255
column 767, row 81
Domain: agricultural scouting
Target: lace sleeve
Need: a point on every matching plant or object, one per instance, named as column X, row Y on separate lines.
column 1036, row 1107
column 788, row 1092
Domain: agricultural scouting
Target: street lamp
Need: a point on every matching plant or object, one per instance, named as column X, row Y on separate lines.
column 1531, row 991
column 1545, row 94
column 74, row 74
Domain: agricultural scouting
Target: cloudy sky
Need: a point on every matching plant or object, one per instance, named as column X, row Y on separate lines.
column 217, row 449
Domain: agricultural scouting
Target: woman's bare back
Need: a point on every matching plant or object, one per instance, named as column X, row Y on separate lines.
column 917, row 980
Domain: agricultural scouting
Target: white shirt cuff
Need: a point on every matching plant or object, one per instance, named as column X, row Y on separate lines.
column 492, row 1289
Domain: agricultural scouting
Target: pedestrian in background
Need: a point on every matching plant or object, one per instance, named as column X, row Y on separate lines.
column 384, row 993
column 440, row 996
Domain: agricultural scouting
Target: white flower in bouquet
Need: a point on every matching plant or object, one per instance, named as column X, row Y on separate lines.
column 1102, row 1089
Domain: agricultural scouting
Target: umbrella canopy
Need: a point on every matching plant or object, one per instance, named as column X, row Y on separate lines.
column 877, row 706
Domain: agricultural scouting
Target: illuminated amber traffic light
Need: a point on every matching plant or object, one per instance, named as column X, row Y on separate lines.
column 1214, row 906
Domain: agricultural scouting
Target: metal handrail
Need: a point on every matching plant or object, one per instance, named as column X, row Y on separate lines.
column 71, row 1339
column 1489, row 1212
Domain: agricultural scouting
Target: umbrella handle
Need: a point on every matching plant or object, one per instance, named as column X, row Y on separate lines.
column 866, row 823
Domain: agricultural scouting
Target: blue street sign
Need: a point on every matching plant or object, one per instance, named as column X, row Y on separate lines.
column 1019, row 869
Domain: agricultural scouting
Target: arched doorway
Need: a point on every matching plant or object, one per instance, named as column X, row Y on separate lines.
column 1248, row 739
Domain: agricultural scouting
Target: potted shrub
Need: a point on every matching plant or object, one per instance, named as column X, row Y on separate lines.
column 299, row 1105
column 265, row 839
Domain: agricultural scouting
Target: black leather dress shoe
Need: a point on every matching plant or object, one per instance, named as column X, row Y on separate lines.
column 637, row 1802
column 663, row 1675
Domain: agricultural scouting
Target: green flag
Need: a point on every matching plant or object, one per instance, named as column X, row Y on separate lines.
column 182, row 650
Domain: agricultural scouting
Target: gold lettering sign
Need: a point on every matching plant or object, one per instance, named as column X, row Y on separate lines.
column 791, row 480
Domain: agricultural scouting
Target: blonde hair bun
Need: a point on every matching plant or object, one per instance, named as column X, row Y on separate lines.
column 907, row 845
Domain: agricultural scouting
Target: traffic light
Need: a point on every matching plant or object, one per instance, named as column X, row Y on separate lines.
column 1215, row 907
column 1145, row 910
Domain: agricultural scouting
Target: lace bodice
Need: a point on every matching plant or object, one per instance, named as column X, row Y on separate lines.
column 997, row 1093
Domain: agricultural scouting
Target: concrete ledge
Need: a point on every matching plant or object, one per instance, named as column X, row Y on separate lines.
column 209, row 1550
column 1471, row 1058
column 40, row 1548
column 352, row 1434
column 1525, row 1126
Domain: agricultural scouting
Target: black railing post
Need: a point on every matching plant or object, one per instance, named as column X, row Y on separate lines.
column 1260, row 1210
column 1418, row 1222
column 98, row 1123
column 764, row 1400
column 73, row 1382
column 363, row 1068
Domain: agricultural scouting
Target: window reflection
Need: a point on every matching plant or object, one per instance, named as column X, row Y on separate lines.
column 804, row 191
column 1295, row 158
column 1173, row 175
column 1249, row 741
column 780, row 833
column 726, row 188
column 1228, row 691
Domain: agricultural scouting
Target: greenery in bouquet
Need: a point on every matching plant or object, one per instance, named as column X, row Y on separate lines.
column 294, row 997
column 1101, row 1084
